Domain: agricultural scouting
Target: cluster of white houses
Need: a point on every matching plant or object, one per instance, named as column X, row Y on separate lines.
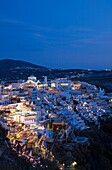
column 54, row 104
column 30, row 87
column 36, row 113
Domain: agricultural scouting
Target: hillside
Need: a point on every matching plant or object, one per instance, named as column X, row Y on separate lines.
column 16, row 69
column 17, row 64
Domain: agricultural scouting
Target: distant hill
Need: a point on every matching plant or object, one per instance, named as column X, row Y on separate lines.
column 18, row 64
column 16, row 69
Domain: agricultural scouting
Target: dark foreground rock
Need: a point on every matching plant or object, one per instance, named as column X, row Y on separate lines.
column 97, row 155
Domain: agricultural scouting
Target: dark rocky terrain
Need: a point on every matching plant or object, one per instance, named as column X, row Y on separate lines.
column 97, row 155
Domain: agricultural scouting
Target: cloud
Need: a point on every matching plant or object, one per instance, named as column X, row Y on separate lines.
column 11, row 21
column 77, row 28
column 39, row 36
column 25, row 24
column 74, row 36
column 104, row 38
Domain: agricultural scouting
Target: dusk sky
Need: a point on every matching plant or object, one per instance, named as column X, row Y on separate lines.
column 57, row 33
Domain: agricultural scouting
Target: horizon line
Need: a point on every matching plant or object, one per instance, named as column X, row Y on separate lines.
column 59, row 68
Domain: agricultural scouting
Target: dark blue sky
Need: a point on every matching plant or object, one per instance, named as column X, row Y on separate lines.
column 57, row 33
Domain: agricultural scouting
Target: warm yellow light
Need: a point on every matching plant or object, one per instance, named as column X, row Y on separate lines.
column 53, row 85
column 64, row 84
column 17, row 135
column 74, row 163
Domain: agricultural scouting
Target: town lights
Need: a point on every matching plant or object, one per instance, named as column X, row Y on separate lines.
column 74, row 163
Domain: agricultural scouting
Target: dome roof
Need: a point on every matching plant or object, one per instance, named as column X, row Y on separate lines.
column 32, row 76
